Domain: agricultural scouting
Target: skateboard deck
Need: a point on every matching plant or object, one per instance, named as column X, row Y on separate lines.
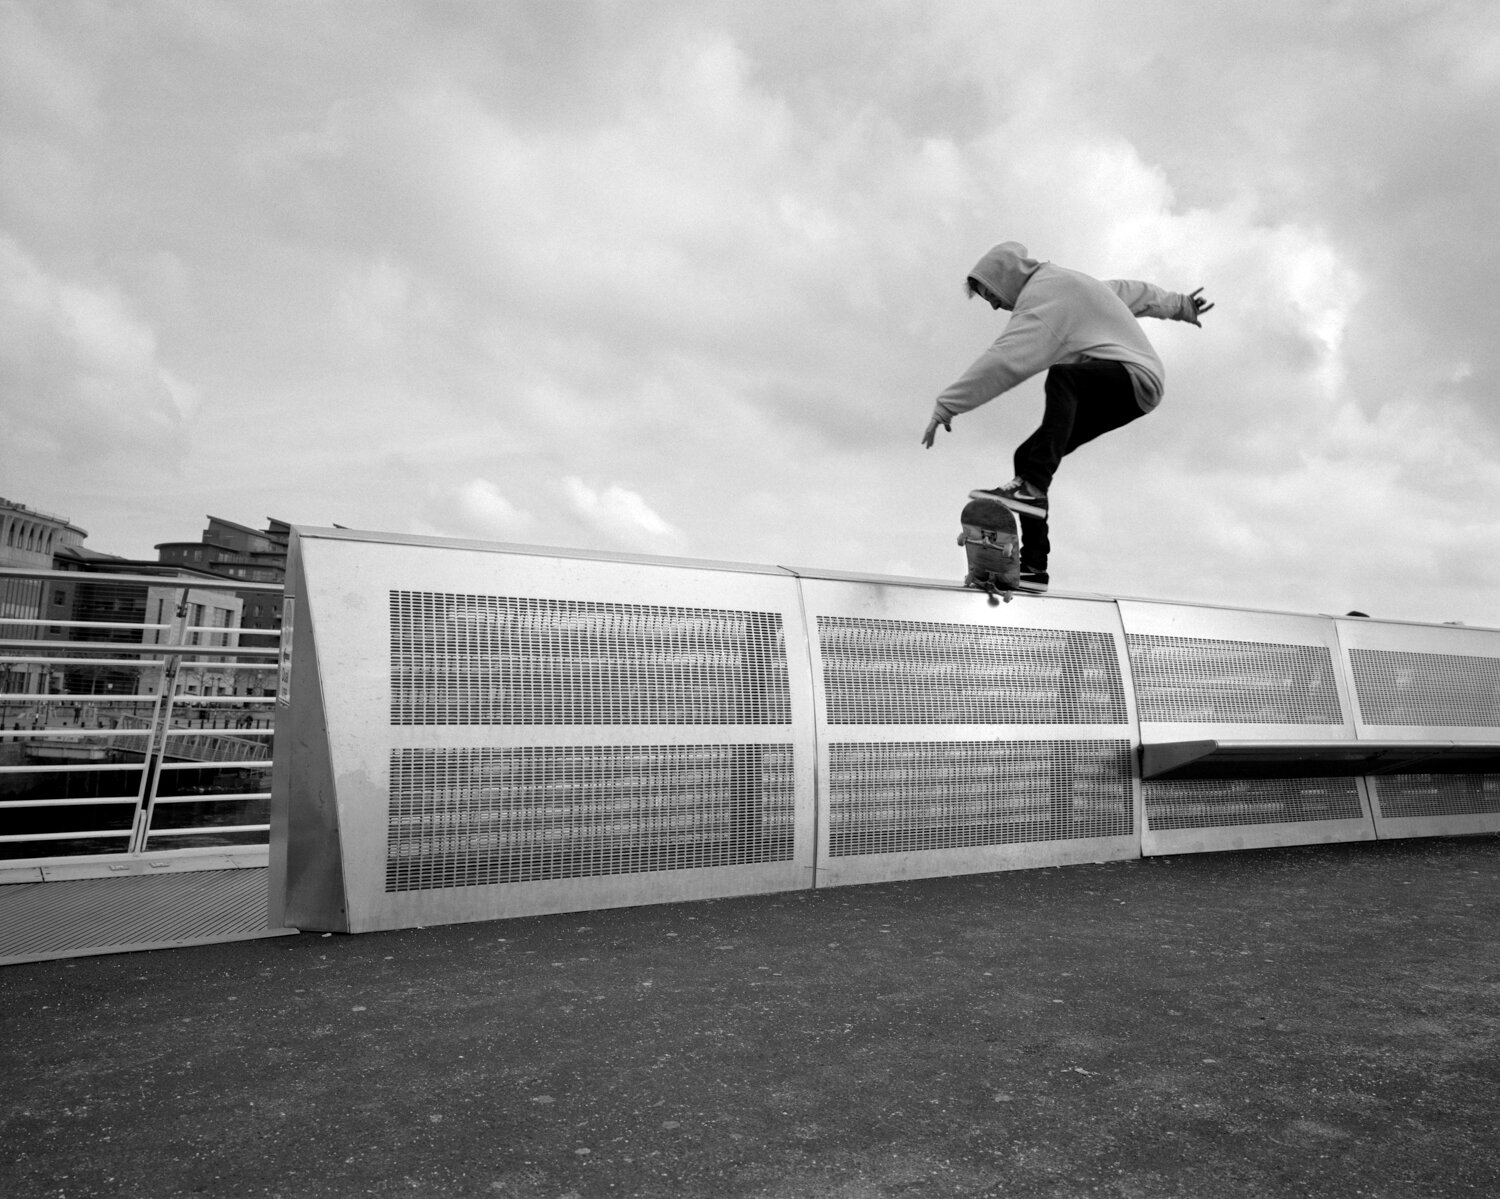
column 992, row 539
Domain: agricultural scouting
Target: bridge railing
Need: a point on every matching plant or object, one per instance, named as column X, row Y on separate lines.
column 473, row 731
column 131, row 737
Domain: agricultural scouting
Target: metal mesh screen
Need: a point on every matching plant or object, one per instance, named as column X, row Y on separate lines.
column 1192, row 679
column 899, row 797
column 1395, row 687
column 479, row 816
column 1417, row 795
column 1225, row 803
column 908, row 672
column 483, row 659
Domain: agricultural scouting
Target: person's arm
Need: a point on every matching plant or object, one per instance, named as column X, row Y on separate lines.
column 1025, row 347
column 1146, row 299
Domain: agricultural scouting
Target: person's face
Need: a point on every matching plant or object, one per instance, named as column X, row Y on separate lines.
column 984, row 293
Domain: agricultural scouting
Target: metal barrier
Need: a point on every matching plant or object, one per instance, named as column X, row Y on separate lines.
column 131, row 743
column 1268, row 685
column 1430, row 694
column 474, row 731
column 955, row 737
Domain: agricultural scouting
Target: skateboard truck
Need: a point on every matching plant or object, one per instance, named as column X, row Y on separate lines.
column 985, row 581
column 991, row 538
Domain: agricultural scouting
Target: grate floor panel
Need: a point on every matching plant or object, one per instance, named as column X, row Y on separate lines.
column 83, row 917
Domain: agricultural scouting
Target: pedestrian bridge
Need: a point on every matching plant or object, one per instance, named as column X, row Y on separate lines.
column 471, row 731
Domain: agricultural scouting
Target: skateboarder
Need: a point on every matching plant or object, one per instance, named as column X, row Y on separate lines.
column 1101, row 371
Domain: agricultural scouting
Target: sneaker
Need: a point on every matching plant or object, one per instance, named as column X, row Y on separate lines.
column 1018, row 495
column 1033, row 580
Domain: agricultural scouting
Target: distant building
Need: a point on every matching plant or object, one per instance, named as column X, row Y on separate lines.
column 131, row 611
column 189, row 587
column 235, row 551
column 28, row 540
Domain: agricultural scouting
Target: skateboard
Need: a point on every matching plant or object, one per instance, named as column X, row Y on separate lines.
column 992, row 539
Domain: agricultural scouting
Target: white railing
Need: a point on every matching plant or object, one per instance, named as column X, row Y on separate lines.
column 123, row 739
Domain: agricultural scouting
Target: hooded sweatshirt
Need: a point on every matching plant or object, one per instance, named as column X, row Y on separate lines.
column 1060, row 317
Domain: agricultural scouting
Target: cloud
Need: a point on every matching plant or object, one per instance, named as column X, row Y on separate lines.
column 492, row 255
column 80, row 372
column 49, row 115
column 479, row 509
column 621, row 517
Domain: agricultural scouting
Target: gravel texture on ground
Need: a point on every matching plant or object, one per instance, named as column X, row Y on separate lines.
column 1320, row 1021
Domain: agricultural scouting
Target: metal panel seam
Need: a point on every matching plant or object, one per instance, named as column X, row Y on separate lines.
column 1133, row 726
column 1355, row 708
column 817, row 724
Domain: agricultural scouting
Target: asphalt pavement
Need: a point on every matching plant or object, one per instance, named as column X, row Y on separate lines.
column 1320, row 1021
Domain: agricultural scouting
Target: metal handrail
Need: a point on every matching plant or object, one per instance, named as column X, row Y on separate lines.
column 157, row 672
column 102, row 577
column 193, row 701
column 53, row 697
column 33, row 659
column 81, row 624
column 207, row 828
column 80, row 835
column 165, row 649
column 46, row 734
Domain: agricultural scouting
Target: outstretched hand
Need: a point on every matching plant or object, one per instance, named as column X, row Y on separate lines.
column 1200, row 305
column 932, row 427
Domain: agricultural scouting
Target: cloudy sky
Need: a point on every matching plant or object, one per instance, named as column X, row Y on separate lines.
column 684, row 277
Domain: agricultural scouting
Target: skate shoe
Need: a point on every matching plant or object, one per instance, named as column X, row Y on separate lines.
column 1018, row 495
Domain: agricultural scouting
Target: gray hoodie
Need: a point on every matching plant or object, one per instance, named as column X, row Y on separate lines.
column 1058, row 317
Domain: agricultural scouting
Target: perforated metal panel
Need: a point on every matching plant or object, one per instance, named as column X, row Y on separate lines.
column 511, row 660
column 1435, row 805
column 1426, row 796
column 1211, row 681
column 960, row 736
column 1434, row 796
column 1427, row 684
column 1229, row 803
column 1242, row 677
column 1424, row 689
column 922, row 672
column 513, row 732
column 481, row 816
column 904, row 797
column 476, row 731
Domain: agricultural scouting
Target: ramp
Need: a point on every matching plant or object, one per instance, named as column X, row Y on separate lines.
column 88, row 916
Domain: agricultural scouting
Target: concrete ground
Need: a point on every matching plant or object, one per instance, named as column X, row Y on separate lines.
column 1303, row 1022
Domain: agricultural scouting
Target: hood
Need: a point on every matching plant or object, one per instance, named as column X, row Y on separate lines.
column 1005, row 270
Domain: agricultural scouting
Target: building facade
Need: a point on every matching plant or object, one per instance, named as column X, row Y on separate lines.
column 194, row 598
column 28, row 540
column 236, row 551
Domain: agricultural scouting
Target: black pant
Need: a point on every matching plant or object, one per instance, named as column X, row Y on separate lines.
column 1084, row 400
